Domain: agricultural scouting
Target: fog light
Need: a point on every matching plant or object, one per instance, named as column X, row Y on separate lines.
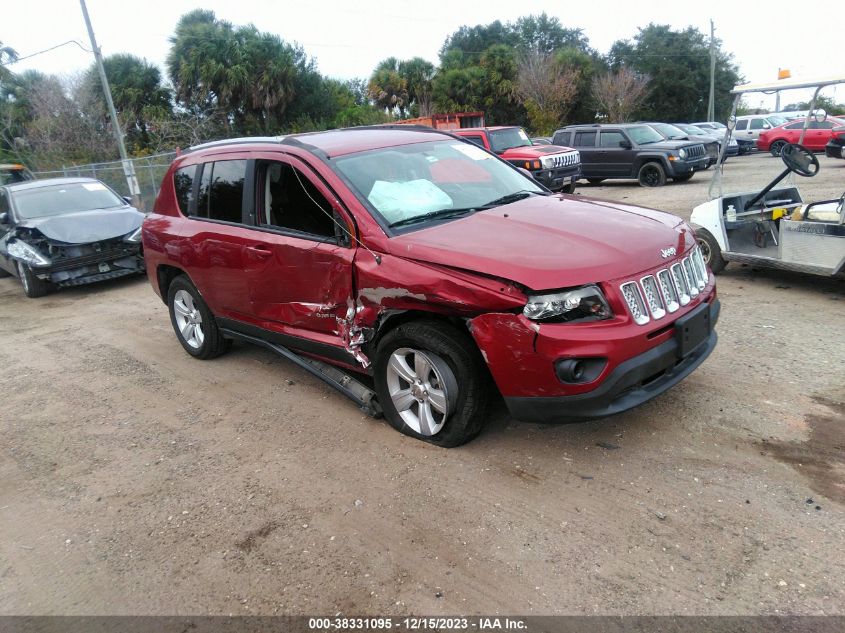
column 579, row 370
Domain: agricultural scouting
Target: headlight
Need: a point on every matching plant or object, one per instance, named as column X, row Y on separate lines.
column 682, row 153
column 135, row 236
column 586, row 303
column 23, row 251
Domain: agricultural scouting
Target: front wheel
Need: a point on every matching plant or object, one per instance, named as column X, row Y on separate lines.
column 710, row 250
column 32, row 286
column 432, row 383
column 193, row 322
column 570, row 188
column 652, row 175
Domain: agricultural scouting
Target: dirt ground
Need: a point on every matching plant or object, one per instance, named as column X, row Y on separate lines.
column 136, row 480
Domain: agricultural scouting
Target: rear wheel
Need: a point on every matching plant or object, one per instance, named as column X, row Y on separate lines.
column 432, row 383
column 32, row 286
column 776, row 148
column 710, row 250
column 652, row 175
column 193, row 322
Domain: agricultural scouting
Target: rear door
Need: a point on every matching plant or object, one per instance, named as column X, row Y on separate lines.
column 298, row 264
column 616, row 154
column 585, row 142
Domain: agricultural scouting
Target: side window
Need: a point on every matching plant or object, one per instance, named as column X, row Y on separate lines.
column 742, row 124
column 585, row 139
column 562, row 138
column 204, row 190
column 475, row 139
column 795, row 126
column 4, row 202
column 757, row 124
column 183, row 182
column 289, row 200
column 221, row 191
column 825, row 125
column 611, row 139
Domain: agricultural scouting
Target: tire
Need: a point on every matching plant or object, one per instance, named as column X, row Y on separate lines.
column 570, row 188
column 595, row 181
column 421, row 358
column 193, row 322
column 710, row 250
column 651, row 175
column 33, row 287
column 776, row 147
column 683, row 178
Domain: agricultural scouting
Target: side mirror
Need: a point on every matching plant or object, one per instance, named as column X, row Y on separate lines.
column 4, row 218
column 127, row 199
column 820, row 115
column 766, row 126
column 526, row 173
column 625, row 144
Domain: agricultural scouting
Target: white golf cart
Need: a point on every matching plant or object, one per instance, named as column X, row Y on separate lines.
column 773, row 227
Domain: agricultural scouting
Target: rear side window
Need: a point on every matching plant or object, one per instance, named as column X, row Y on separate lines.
column 183, row 182
column 585, row 139
column 221, row 191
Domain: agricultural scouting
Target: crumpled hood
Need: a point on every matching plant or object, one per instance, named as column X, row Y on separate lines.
column 84, row 227
column 550, row 242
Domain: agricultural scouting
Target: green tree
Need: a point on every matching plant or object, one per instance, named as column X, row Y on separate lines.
column 545, row 35
column 418, row 74
column 388, row 88
column 7, row 56
column 678, row 63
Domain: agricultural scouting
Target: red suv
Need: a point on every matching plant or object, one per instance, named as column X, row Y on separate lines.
column 416, row 272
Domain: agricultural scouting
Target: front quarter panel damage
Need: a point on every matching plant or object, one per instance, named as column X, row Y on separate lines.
column 398, row 285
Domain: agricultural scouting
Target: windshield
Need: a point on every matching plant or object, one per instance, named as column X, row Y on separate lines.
column 693, row 129
column 776, row 120
column 66, row 198
column 669, row 131
column 500, row 140
column 643, row 135
column 411, row 181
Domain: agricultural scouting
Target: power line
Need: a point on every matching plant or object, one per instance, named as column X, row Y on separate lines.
column 47, row 50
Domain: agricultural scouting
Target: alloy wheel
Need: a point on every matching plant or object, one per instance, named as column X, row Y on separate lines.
column 188, row 319
column 417, row 383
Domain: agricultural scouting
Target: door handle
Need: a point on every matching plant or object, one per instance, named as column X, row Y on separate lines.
column 262, row 251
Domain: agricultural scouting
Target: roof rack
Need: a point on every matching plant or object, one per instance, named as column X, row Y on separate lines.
column 236, row 141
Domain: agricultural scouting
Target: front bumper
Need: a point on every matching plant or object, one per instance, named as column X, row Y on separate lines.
column 681, row 167
column 557, row 179
column 631, row 384
column 92, row 268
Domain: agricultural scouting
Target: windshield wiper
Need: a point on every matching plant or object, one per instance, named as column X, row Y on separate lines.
column 440, row 214
column 511, row 197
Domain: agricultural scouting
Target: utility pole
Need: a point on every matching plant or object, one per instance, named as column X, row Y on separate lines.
column 128, row 165
column 711, row 106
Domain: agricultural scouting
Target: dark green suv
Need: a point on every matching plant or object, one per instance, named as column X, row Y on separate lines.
column 631, row 151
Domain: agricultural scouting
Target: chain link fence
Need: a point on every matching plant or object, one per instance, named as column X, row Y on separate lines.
column 148, row 169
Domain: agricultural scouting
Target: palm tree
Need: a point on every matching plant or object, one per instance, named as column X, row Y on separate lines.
column 387, row 87
column 7, row 56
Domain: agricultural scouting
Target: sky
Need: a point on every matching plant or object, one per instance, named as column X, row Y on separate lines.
column 348, row 38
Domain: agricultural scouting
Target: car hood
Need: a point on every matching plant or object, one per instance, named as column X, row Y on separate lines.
column 549, row 242
column 667, row 145
column 535, row 151
column 87, row 226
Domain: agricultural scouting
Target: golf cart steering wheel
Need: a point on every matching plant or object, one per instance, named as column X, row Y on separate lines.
column 800, row 160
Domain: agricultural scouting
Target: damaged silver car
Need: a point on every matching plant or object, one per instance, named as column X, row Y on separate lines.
column 67, row 232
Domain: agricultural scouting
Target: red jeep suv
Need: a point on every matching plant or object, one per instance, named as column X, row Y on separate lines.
column 416, row 272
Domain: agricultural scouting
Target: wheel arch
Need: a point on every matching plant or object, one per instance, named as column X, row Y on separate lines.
column 165, row 274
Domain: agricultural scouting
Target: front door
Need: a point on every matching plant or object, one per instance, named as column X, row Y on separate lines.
column 616, row 156
column 299, row 262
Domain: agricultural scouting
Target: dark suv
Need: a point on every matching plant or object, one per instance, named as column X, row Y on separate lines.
column 632, row 150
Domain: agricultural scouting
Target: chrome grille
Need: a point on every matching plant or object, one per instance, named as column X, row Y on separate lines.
column 692, row 280
column 636, row 305
column 670, row 294
column 556, row 161
column 652, row 297
column 698, row 261
column 680, row 284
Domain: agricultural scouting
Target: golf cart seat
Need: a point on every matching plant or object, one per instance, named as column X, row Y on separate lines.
column 823, row 212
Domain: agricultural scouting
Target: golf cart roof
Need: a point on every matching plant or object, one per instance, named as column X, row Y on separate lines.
column 788, row 84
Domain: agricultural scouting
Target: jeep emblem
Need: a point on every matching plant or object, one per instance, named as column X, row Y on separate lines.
column 668, row 252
